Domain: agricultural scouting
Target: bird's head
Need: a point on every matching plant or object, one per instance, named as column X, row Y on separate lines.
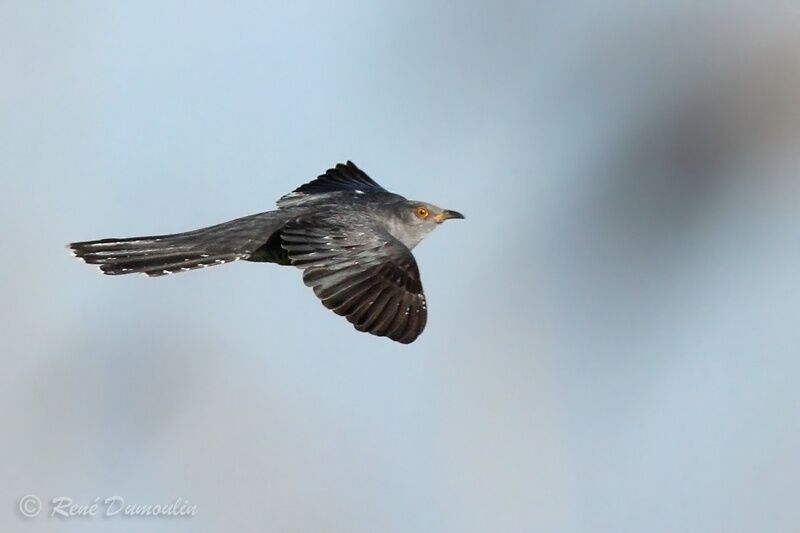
column 417, row 219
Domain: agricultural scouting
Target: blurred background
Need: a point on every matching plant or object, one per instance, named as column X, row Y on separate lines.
column 613, row 336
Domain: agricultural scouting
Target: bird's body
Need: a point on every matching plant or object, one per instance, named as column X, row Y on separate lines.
column 352, row 238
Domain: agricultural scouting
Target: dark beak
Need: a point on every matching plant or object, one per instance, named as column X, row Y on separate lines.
column 447, row 215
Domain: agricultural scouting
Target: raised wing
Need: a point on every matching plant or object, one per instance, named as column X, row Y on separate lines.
column 342, row 178
column 363, row 274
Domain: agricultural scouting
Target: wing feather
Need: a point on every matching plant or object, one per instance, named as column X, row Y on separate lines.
column 341, row 178
column 363, row 274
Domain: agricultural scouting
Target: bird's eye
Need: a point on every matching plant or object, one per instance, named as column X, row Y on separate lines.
column 421, row 213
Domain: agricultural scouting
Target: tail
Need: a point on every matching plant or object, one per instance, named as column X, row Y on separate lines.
column 154, row 256
column 160, row 255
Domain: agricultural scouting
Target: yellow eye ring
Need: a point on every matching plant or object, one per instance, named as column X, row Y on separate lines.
column 421, row 212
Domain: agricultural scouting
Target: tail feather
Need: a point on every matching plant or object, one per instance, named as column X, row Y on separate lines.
column 159, row 255
column 148, row 256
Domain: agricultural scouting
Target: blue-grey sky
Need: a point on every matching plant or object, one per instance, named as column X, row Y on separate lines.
column 612, row 339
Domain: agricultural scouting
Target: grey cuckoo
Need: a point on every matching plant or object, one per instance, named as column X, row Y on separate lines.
column 351, row 237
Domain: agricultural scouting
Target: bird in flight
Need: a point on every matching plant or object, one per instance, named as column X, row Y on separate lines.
column 351, row 237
